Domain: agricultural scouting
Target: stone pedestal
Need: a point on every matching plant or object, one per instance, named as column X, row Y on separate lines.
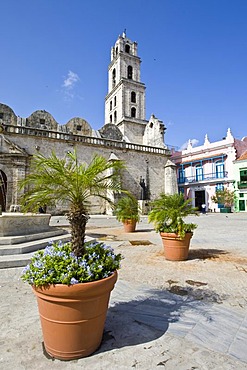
column 13, row 224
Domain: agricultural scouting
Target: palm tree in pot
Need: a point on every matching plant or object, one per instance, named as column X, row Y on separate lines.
column 72, row 281
column 127, row 211
column 167, row 213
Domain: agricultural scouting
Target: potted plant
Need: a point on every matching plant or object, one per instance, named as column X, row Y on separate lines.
column 225, row 199
column 127, row 212
column 167, row 213
column 72, row 281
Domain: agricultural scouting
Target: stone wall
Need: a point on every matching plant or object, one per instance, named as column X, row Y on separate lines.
column 136, row 160
column 141, row 161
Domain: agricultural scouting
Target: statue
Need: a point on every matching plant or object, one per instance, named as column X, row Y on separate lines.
column 144, row 189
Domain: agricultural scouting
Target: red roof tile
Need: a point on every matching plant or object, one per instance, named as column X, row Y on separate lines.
column 243, row 156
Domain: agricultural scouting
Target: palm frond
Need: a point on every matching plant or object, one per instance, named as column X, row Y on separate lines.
column 66, row 180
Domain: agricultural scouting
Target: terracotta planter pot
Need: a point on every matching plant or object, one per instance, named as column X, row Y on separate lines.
column 129, row 226
column 73, row 317
column 176, row 249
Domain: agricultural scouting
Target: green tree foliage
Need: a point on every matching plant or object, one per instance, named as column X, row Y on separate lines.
column 225, row 197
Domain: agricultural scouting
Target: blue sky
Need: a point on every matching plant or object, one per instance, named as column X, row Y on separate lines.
column 55, row 56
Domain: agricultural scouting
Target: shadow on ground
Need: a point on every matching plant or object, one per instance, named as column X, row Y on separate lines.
column 142, row 231
column 206, row 253
column 98, row 236
column 145, row 319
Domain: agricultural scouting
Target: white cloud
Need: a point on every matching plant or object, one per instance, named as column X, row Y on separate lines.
column 70, row 81
column 194, row 143
column 169, row 123
column 69, row 86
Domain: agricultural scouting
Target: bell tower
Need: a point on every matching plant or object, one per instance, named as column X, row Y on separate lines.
column 125, row 101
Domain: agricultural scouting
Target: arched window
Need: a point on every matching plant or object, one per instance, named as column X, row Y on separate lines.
column 115, row 101
column 113, row 77
column 116, row 50
column 133, row 112
column 127, row 48
column 110, row 105
column 111, row 118
column 115, row 116
column 133, row 97
column 219, row 169
column 130, row 72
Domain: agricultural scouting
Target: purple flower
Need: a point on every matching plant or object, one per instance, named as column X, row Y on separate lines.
column 83, row 264
column 38, row 264
column 93, row 244
column 108, row 248
column 49, row 251
column 61, row 254
column 73, row 281
column 95, row 255
column 27, row 268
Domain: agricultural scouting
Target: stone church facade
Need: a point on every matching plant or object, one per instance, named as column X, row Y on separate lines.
column 126, row 135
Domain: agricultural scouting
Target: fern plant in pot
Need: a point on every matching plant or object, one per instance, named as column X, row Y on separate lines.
column 167, row 214
column 127, row 212
column 72, row 281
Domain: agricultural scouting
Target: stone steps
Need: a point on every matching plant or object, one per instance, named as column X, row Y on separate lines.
column 22, row 239
column 15, row 260
column 18, row 255
column 27, row 247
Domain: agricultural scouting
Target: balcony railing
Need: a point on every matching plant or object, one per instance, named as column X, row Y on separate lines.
column 242, row 184
column 203, row 177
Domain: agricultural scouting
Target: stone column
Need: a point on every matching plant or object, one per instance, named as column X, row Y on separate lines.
column 171, row 185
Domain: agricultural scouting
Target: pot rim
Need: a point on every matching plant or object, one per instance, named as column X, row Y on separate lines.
column 65, row 290
column 174, row 235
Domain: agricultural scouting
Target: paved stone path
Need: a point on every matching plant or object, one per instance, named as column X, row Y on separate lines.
column 172, row 315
